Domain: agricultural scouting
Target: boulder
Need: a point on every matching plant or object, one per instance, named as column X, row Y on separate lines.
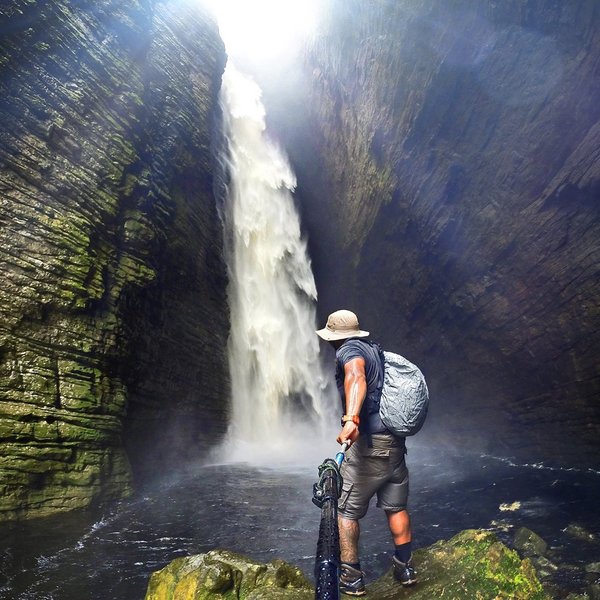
column 593, row 567
column 473, row 564
column 579, row 532
column 224, row 574
column 529, row 543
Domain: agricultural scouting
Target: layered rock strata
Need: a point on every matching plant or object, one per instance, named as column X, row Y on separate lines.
column 448, row 158
column 112, row 295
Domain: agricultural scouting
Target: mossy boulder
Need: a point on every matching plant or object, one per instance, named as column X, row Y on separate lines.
column 529, row 543
column 473, row 565
column 227, row 575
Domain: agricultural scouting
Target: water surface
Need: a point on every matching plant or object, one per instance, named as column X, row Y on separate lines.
column 267, row 513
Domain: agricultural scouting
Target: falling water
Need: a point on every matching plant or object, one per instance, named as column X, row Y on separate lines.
column 278, row 386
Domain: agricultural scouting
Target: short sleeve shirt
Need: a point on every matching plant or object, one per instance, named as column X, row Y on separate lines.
column 357, row 348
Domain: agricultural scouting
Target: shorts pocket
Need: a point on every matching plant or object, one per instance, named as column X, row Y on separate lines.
column 376, row 452
column 343, row 500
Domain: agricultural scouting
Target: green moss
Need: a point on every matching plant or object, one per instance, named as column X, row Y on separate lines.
column 134, row 270
column 81, row 387
column 221, row 574
column 137, row 229
column 48, row 479
column 92, row 433
column 130, row 183
column 472, row 565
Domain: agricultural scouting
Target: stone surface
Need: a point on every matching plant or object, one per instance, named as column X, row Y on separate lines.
column 224, row 574
column 471, row 565
column 593, row 567
column 112, row 297
column 579, row 532
column 448, row 160
column 529, row 543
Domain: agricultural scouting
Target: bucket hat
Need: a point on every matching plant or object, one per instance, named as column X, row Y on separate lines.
column 341, row 324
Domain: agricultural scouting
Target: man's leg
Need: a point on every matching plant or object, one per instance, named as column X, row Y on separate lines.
column 349, row 534
column 399, row 523
column 351, row 577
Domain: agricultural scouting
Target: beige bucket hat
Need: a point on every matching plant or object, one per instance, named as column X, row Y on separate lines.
column 341, row 324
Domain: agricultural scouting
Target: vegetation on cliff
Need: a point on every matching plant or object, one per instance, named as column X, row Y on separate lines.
column 112, row 284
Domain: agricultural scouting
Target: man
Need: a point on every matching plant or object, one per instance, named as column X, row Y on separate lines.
column 375, row 460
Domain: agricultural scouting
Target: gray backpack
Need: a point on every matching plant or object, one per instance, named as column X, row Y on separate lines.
column 404, row 396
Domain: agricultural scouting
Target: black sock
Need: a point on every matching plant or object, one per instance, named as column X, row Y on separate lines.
column 353, row 565
column 403, row 552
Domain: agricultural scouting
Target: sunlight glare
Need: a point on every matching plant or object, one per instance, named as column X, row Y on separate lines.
column 263, row 29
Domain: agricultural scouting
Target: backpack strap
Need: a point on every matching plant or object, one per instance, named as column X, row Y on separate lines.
column 378, row 352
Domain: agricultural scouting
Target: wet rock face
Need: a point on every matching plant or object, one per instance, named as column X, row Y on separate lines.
column 450, row 176
column 112, row 296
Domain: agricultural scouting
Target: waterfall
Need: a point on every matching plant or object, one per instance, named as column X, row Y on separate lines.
column 279, row 390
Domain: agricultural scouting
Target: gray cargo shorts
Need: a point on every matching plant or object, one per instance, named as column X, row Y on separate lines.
column 378, row 470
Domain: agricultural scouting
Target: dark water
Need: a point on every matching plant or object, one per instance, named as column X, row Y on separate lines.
column 267, row 513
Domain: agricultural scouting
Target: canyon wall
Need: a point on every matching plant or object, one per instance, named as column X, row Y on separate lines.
column 113, row 313
column 448, row 158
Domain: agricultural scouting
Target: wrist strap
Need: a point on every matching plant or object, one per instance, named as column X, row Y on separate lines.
column 354, row 418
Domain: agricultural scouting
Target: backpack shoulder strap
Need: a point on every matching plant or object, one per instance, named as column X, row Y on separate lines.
column 374, row 349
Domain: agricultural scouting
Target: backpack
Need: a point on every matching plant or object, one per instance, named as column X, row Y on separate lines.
column 404, row 397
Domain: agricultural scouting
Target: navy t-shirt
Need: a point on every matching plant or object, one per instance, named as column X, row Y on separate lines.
column 357, row 348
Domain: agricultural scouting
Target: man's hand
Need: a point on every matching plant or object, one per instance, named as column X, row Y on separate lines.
column 349, row 433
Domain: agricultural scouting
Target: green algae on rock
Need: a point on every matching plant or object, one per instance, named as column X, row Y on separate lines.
column 473, row 565
column 224, row 574
column 108, row 235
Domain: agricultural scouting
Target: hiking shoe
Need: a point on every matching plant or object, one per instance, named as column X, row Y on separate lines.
column 404, row 572
column 351, row 581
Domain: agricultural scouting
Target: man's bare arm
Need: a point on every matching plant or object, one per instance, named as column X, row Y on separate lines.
column 355, row 389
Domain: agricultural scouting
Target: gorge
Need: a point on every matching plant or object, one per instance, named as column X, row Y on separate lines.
column 447, row 158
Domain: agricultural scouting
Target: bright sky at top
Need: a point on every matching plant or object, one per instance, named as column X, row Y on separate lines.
column 262, row 30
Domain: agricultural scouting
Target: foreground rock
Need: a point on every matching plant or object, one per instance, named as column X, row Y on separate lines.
column 473, row 564
column 223, row 574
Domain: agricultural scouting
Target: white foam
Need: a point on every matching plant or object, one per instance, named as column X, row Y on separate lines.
column 540, row 466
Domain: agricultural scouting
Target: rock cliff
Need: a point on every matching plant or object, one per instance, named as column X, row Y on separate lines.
column 448, row 158
column 113, row 314
column 448, row 164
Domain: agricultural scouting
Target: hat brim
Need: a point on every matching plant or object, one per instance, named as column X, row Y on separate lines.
column 331, row 336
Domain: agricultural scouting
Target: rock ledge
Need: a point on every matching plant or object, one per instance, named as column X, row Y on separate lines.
column 472, row 565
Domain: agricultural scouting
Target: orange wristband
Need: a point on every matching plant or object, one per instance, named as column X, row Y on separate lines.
column 354, row 418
